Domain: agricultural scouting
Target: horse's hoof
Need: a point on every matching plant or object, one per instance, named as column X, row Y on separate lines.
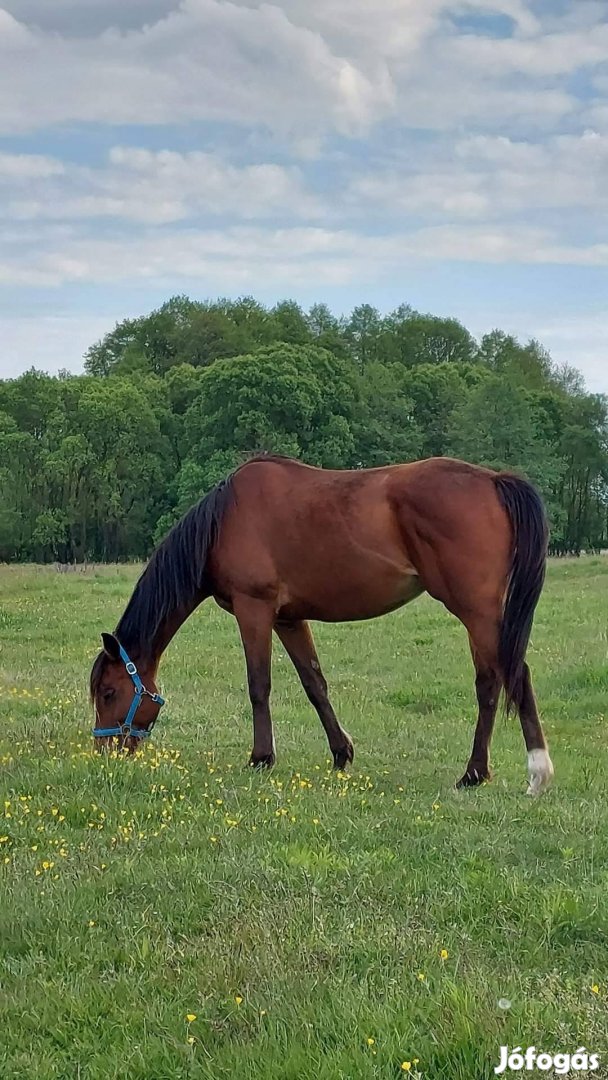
column 473, row 778
column 344, row 756
column 266, row 761
column 540, row 771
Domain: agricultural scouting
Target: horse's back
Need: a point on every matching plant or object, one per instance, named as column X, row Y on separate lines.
column 327, row 542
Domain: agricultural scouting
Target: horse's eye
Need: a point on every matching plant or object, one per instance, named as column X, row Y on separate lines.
column 108, row 695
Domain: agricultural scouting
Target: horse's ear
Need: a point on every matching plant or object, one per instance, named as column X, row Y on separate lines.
column 111, row 646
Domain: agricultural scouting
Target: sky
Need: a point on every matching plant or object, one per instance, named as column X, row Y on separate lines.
column 449, row 154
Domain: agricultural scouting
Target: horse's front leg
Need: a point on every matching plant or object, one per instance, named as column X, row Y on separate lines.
column 255, row 619
column 298, row 641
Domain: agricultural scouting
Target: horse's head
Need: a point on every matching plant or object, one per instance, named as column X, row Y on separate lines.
column 125, row 698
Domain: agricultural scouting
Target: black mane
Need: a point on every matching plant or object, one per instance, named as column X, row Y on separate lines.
column 175, row 574
column 173, row 578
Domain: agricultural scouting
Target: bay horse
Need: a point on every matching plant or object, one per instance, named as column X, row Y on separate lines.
column 278, row 543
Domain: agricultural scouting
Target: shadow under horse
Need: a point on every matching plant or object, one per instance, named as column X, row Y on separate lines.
column 280, row 542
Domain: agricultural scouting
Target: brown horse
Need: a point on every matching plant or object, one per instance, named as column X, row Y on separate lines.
column 279, row 543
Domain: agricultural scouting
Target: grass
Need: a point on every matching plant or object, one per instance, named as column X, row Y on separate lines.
column 316, row 926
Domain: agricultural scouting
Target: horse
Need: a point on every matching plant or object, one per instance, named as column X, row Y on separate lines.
column 279, row 543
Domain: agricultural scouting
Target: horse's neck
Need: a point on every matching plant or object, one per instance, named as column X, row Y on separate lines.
column 169, row 628
column 149, row 652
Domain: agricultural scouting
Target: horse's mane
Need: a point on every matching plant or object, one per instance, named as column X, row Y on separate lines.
column 174, row 577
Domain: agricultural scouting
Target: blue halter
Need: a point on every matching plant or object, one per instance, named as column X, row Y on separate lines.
column 126, row 728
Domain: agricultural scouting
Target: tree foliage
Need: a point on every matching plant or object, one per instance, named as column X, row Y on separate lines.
column 100, row 465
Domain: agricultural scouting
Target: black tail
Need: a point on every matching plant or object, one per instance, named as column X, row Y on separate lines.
column 530, row 539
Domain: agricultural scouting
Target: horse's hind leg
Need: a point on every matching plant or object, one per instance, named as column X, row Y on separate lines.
column 483, row 639
column 487, row 687
column 483, row 636
column 540, row 766
column 299, row 644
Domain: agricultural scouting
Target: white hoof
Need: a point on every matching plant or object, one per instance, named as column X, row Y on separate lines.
column 540, row 771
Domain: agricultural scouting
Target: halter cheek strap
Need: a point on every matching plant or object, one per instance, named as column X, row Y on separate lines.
column 126, row 728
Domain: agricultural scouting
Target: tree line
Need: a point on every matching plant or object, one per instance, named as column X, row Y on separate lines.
column 98, row 466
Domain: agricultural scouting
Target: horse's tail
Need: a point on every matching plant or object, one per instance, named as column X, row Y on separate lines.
column 526, row 577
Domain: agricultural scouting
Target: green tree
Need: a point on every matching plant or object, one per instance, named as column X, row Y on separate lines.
column 527, row 365
column 435, row 391
column 283, row 399
column 385, row 427
column 411, row 338
column 99, row 465
column 290, row 323
column 496, row 426
column 363, row 332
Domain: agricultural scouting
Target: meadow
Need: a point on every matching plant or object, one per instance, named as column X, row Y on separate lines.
column 177, row 915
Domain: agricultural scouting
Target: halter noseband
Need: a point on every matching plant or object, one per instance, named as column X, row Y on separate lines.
column 126, row 728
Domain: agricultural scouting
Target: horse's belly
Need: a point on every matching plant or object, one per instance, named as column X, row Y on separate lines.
column 363, row 601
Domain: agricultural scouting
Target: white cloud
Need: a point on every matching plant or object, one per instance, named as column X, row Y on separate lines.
column 393, row 29
column 487, row 177
column 151, row 187
column 209, row 60
column 297, row 68
column 87, row 17
column 546, row 54
column 18, row 167
column 239, row 258
column 503, row 244
column 322, row 142
column 477, row 178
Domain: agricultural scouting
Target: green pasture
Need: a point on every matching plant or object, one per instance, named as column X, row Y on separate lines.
column 177, row 915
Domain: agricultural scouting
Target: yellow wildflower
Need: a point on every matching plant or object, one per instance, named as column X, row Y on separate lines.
column 191, row 1017
column 444, row 954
